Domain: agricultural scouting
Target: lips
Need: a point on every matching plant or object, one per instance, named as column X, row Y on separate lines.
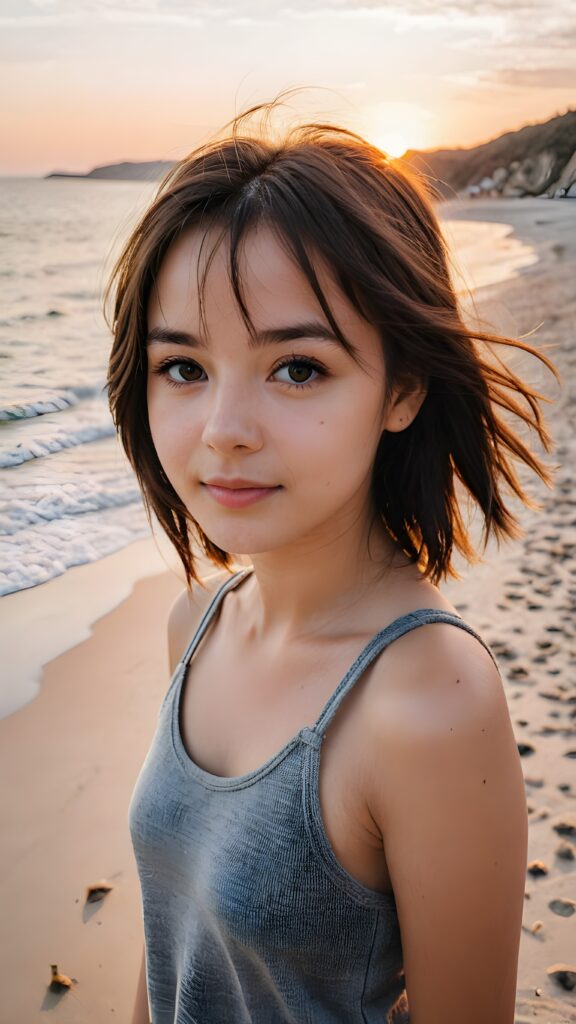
column 237, row 494
column 236, row 484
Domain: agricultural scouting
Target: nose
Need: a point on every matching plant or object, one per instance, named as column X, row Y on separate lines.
column 231, row 420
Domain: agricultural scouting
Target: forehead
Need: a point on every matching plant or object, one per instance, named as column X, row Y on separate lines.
column 275, row 289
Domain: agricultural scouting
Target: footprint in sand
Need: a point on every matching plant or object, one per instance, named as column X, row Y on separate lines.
column 536, row 783
column 555, row 730
column 518, row 673
column 564, row 907
column 503, row 651
column 565, row 826
column 564, row 974
column 551, row 694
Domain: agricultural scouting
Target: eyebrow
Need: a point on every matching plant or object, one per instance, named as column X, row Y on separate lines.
column 311, row 329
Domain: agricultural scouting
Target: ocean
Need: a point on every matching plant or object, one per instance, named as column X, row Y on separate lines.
column 67, row 493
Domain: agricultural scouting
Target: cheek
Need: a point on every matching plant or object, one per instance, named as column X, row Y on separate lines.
column 334, row 447
column 172, row 431
column 350, row 423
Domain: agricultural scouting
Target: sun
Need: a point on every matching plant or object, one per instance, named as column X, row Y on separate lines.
column 396, row 127
column 392, row 142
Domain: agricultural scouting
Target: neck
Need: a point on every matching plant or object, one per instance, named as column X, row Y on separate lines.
column 302, row 590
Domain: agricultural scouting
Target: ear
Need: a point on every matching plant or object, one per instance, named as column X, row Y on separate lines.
column 403, row 407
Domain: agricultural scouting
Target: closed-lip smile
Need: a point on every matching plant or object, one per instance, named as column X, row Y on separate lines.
column 236, row 483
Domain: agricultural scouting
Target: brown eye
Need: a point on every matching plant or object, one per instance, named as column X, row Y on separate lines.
column 182, row 373
column 299, row 371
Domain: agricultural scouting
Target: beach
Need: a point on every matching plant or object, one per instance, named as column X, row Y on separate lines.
column 72, row 747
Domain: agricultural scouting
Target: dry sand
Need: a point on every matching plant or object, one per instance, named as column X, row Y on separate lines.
column 69, row 763
column 522, row 599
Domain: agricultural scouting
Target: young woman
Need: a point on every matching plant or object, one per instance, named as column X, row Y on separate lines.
column 330, row 824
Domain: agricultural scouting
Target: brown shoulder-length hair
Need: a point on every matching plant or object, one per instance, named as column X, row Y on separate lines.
column 327, row 192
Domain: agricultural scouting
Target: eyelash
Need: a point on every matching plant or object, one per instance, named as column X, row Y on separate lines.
column 163, row 370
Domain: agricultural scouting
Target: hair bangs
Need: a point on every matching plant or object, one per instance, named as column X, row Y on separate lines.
column 339, row 207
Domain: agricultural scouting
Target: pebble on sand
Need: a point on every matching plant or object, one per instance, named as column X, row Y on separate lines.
column 59, row 982
column 537, row 867
column 97, row 891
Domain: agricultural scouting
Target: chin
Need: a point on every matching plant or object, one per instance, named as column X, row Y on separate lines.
column 247, row 541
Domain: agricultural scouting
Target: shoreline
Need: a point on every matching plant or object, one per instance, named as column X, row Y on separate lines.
column 61, row 621
column 76, row 748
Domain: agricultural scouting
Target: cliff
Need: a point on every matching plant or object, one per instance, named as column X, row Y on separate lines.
column 539, row 159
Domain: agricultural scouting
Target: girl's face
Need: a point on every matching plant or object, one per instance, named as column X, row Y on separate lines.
column 292, row 413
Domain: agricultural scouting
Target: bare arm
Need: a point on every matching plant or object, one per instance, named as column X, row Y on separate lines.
column 452, row 812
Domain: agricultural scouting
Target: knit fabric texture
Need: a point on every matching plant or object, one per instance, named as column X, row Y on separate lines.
column 249, row 918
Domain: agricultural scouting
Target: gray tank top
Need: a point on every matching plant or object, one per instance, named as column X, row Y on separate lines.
column 249, row 918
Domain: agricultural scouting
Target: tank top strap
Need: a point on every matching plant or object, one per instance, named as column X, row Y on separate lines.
column 396, row 629
column 210, row 612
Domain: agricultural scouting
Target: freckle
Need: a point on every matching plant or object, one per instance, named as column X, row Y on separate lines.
column 451, row 729
column 483, row 730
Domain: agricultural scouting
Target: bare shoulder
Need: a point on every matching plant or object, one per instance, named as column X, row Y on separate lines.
column 440, row 665
column 436, row 692
column 187, row 611
column 447, row 793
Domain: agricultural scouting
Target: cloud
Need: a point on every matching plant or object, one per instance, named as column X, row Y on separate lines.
column 267, row 8
column 495, row 31
column 537, row 78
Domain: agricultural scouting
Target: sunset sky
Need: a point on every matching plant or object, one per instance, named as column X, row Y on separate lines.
column 88, row 82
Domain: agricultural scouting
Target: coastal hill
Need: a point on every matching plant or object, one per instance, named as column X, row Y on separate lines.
column 151, row 170
column 538, row 159
column 535, row 160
